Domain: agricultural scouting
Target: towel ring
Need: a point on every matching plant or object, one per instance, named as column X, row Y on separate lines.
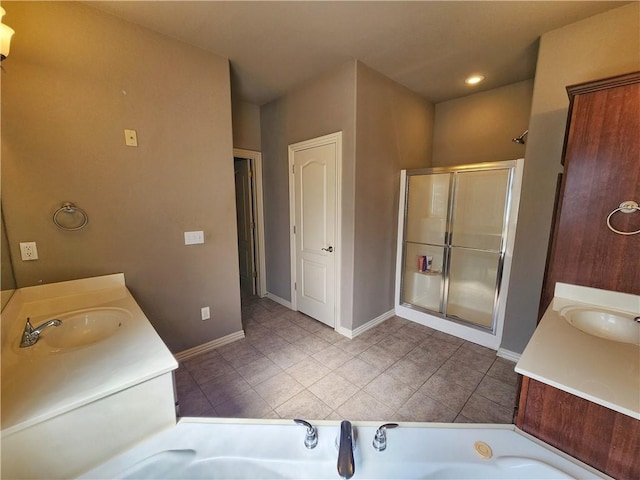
column 625, row 207
column 70, row 209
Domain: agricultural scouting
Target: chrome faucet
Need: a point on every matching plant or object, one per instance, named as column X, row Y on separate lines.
column 31, row 335
column 346, row 464
column 380, row 439
column 311, row 437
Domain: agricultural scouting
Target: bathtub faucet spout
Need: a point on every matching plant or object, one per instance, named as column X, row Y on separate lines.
column 346, row 464
column 31, row 335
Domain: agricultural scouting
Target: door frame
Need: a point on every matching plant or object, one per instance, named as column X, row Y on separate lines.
column 255, row 163
column 330, row 139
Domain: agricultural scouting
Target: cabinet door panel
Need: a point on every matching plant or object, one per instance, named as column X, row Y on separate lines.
column 602, row 170
column 608, row 440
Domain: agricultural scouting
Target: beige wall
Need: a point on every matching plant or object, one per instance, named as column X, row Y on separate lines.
column 385, row 128
column 393, row 131
column 66, row 99
column 604, row 45
column 322, row 106
column 246, row 125
column 479, row 127
column 7, row 281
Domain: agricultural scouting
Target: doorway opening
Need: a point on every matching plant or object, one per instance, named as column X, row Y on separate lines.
column 250, row 222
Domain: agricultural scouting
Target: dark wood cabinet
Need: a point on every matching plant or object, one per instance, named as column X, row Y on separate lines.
column 607, row 440
column 601, row 170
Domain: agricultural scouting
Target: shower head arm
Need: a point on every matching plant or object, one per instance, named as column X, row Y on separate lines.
column 520, row 139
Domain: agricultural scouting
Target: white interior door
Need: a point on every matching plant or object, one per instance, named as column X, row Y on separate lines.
column 314, row 193
column 244, row 216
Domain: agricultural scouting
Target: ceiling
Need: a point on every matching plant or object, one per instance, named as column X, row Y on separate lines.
column 428, row 46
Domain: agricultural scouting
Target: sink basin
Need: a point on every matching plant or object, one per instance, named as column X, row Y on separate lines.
column 603, row 323
column 84, row 327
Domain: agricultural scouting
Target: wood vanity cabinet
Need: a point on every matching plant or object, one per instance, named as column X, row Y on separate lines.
column 603, row 438
column 601, row 161
column 601, row 170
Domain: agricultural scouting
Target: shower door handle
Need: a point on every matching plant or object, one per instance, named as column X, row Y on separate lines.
column 328, row 249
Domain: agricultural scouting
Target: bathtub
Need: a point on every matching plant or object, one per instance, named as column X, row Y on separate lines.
column 199, row 448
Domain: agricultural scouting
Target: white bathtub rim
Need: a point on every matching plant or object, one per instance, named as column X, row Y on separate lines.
column 185, row 421
column 368, row 423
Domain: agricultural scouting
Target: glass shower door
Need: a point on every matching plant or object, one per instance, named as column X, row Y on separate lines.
column 455, row 244
column 426, row 220
column 478, row 226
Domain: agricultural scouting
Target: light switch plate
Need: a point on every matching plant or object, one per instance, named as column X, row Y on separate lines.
column 193, row 238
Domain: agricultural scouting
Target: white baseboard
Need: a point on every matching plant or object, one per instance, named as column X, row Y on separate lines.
column 205, row 347
column 363, row 328
column 508, row 355
column 281, row 301
column 345, row 332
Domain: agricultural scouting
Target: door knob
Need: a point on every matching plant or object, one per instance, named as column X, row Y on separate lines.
column 328, row 249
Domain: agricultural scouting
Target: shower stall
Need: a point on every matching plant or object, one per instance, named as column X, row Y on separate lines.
column 456, row 232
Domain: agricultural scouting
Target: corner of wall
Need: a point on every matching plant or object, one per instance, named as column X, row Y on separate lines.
column 604, row 45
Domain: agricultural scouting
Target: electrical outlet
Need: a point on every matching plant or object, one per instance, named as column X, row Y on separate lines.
column 28, row 251
column 205, row 313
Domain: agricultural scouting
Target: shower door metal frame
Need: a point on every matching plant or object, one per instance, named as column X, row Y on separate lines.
column 515, row 168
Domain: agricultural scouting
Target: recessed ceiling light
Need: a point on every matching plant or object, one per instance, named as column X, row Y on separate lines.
column 474, row 79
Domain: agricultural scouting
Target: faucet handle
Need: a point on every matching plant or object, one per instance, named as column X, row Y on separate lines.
column 311, row 438
column 380, row 439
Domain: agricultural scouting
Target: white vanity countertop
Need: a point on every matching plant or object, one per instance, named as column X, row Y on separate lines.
column 599, row 370
column 38, row 384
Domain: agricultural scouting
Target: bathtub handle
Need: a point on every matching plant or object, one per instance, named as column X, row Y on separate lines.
column 311, row 438
column 380, row 439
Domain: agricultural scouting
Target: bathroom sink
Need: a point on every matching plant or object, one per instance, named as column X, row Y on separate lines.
column 84, row 327
column 603, row 323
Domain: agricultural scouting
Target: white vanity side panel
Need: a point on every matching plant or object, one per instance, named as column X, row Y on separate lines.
column 70, row 444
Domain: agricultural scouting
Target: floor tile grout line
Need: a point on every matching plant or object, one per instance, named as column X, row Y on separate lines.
column 475, row 391
column 203, row 394
column 332, row 342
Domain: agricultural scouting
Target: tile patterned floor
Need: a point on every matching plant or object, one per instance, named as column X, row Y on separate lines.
column 290, row 365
